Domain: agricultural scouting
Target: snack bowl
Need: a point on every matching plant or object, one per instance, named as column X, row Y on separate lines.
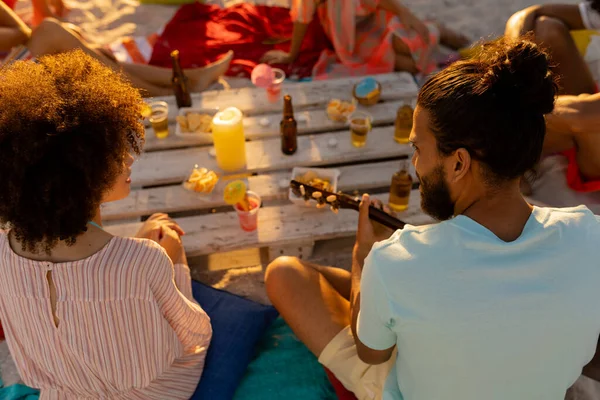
column 339, row 110
column 201, row 120
column 201, row 181
column 330, row 174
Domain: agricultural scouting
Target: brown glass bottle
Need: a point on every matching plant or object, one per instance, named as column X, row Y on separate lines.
column 180, row 83
column 288, row 128
column 400, row 188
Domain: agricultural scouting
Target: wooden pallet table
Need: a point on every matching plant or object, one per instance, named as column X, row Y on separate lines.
column 212, row 226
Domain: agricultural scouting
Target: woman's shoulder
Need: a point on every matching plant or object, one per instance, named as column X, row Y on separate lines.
column 142, row 248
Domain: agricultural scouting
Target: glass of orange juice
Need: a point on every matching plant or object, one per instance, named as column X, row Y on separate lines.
column 159, row 118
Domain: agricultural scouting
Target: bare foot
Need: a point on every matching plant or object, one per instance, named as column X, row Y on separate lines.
column 201, row 78
column 452, row 39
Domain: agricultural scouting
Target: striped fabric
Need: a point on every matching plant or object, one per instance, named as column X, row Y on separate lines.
column 361, row 34
column 125, row 329
column 18, row 53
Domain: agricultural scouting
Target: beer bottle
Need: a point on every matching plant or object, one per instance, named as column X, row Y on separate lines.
column 404, row 122
column 401, row 187
column 180, row 82
column 288, row 128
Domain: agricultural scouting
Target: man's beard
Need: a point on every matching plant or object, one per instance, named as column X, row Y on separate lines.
column 435, row 195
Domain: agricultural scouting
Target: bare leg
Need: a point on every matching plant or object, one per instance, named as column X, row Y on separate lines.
column 575, row 77
column 312, row 299
column 451, row 38
column 200, row 78
column 50, row 37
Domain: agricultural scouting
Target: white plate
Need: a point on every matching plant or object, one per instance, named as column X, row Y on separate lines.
column 332, row 174
column 184, row 111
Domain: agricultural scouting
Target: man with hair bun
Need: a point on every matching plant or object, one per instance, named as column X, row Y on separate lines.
column 499, row 300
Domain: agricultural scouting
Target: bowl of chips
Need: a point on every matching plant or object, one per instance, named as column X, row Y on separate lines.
column 195, row 122
column 321, row 178
column 201, row 180
column 339, row 110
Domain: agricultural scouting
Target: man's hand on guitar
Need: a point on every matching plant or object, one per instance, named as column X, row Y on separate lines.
column 369, row 232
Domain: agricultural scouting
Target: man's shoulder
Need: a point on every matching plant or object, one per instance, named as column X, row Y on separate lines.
column 414, row 242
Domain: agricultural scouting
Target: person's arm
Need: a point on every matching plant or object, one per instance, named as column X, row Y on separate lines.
column 407, row 18
column 523, row 21
column 366, row 294
column 13, row 31
column 575, row 114
column 302, row 12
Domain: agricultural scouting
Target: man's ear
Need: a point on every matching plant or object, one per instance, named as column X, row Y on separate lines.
column 461, row 164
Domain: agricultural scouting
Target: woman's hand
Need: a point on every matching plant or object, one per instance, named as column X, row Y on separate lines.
column 369, row 232
column 171, row 242
column 153, row 227
column 277, row 57
column 411, row 22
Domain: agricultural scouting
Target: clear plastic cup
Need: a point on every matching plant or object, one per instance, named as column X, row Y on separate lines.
column 274, row 91
column 360, row 126
column 249, row 219
column 159, row 118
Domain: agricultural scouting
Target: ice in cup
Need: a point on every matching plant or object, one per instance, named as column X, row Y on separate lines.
column 159, row 118
column 360, row 126
column 249, row 218
column 274, row 90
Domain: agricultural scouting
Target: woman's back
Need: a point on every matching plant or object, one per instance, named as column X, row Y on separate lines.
column 124, row 329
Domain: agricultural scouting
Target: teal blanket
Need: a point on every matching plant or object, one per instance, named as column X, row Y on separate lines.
column 284, row 369
column 18, row 392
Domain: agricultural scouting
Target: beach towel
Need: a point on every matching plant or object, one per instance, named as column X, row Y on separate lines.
column 18, row 392
column 204, row 33
column 284, row 369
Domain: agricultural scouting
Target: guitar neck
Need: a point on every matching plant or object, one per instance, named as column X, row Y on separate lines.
column 375, row 214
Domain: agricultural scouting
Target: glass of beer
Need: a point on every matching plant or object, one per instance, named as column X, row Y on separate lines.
column 159, row 118
column 360, row 126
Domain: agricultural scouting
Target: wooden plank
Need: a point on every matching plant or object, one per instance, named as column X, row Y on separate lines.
column 166, row 167
column 309, row 121
column 270, row 187
column 277, row 226
column 253, row 101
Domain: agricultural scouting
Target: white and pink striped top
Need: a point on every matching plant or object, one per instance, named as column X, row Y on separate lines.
column 128, row 325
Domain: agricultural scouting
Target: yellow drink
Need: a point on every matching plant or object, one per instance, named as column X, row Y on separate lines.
column 229, row 140
column 159, row 118
column 360, row 126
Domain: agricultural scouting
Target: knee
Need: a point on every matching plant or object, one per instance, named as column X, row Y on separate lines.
column 280, row 273
column 550, row 31
column 48, row 26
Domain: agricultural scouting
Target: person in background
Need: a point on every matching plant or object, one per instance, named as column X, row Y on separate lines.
column 372, row 36
column 496, row 301
column 19, row 42
column 565, row 31
column 87, row 314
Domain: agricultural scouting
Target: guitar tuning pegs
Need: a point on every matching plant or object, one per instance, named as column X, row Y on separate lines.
column 331, row 198
column 321, row 205
column 335, row 210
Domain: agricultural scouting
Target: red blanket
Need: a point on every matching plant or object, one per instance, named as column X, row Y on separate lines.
column 204, row 33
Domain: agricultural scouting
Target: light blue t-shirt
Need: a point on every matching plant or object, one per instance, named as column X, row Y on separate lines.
column 474, row 317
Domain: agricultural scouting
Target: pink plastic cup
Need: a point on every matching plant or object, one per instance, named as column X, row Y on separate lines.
column 249, row 219
column 274, row 91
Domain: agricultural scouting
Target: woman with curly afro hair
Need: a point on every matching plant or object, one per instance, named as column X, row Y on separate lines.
column 86, row 314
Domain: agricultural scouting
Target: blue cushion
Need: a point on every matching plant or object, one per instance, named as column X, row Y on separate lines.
column 238, row 324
